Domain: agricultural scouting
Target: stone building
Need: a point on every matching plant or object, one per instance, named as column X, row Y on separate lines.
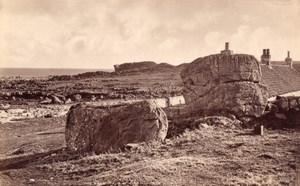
column 266, row 57
column 288, row 60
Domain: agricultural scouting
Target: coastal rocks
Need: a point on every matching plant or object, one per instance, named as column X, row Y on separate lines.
column 4, row 106
column 226, row 83
column 77, row 97
column 11, row 114
column 46, row 101
column 85, row 75
column 68, row 101
column 99, row 129
column 55, row 100
column 4, row 116
column 146, row 67
column 93, row 98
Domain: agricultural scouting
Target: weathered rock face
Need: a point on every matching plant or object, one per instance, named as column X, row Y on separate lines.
column 99, row 129
column 225, row 83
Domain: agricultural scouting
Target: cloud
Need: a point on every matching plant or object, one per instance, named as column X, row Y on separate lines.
column 213, row 38
column 246, row 18
column 252, row 40
column 100, row 33
column 169, row 43
column 35, row 7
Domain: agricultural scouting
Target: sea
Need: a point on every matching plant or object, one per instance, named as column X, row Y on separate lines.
column 44, row 72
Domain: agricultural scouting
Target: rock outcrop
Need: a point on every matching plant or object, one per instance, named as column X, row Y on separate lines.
column 99, row 129
column 135, row 66
column 227, row 83
column 85, row 75
column 147, row 66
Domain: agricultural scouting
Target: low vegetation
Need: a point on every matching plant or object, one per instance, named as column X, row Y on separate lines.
column 209, row 155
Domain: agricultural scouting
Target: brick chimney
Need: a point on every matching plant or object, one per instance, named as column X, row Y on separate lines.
column 288, row 60
column 227, row 51
column 266, row 57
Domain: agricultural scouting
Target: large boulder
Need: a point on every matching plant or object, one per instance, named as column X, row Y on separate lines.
column 99, row 129
column 227, row 83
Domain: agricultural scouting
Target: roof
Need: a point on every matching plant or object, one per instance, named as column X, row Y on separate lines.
column 297, row 66
column 280, row 79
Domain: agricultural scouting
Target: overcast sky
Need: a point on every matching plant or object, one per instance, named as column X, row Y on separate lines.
column 101, row 33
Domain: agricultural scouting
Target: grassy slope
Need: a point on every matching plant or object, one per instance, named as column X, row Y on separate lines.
column 208, row 156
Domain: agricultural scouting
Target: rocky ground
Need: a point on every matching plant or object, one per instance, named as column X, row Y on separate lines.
column 92, row 86
column 196, row 152
column 33, row 152
column 24, row 98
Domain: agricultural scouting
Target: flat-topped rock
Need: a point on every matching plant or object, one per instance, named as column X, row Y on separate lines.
column 221, row 69
column 225, row 83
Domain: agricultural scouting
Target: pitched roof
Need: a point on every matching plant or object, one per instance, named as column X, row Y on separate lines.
column 297, row 66
column 280, row 79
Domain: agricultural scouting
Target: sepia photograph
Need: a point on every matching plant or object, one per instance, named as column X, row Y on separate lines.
column 150, row 92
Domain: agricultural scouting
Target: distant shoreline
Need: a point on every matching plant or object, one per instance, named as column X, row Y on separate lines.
column 44, row 72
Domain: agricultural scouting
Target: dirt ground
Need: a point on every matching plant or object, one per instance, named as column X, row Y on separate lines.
column 33, row 152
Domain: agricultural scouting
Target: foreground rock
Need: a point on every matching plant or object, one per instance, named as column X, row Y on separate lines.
column 99, row 129
column 227, row 83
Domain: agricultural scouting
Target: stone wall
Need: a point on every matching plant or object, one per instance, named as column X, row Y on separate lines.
column 286, row 108
column 161, row 102
column 284, row 112
column 169, row 102
column 176, row 100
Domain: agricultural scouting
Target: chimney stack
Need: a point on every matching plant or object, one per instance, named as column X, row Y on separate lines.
column 227, row 51
column 227, row 46
column 264, row 52
column 266, row 57
column 288, row 60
